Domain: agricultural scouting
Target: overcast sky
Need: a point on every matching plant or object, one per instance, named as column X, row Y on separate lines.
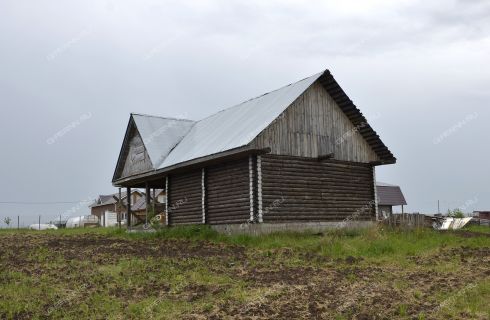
column 72, row 71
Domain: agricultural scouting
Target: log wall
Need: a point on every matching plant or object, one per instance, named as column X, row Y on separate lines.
column 228, row 193
column 302, row 189
column 185, row 198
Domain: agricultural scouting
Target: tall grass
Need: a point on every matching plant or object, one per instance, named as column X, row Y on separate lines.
column 373, row 242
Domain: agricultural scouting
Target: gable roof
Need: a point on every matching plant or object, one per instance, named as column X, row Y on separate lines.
column 390, row 195
column 238, row 126
column 160, row 135
column 105, row 199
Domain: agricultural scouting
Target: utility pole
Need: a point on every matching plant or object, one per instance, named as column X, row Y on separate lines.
column 18, row 222
column 438, row 207
column 39, row 222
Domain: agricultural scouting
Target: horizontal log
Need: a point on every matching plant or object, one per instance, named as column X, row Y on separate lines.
column 237, row 221
column 184, row 194
column 316, row 174
column 228, row 206
column 318, row 196
column 327, row 190
column 303, row 190
column 237, row 185
column 185, row 223
column 184, row 201
column 185, row 182
column 286, row 219
column 228, row 196
column 320, row 211
column 186, row 208
column 292, row 159
column 341, row 216
column 233, row 164
column 318, row 204
column 183, row 210
column 229, row 189
column 194, row 216
column 313, row 163
column 315, row 209
column 223, row 171
column 311, row 186
column 228, row 213
column 229, row 178
column 187, row 219
column 196, row 184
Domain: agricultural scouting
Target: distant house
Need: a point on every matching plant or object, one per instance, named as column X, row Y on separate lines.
column 483, row 217
column 303, row 155
column 389, row 196
column 108, row 204
column 138, row 208
column 106, row 207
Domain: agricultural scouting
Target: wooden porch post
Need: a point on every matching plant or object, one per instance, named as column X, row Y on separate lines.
column 167, row 198
column 154, row 202
column 147, row 198
column 203, row 195
column 128, row 209
column 119, row 209
column 376, row 211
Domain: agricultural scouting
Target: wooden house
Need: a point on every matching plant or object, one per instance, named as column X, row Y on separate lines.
column 110, row 204
column 157, row 205
column 303, row 155
column 483, row 217
column 389, row 196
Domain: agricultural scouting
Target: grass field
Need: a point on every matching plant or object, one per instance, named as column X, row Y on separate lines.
column 195, row 273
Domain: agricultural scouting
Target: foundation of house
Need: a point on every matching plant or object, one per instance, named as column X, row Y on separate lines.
column 267, row 228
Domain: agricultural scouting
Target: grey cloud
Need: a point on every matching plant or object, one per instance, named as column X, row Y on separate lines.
column 421, row 66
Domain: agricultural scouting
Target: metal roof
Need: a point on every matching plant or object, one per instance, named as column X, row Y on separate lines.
column 237, row 126
column 160, row 135
column 390, row 195
column 173, row 141
column 384, row 184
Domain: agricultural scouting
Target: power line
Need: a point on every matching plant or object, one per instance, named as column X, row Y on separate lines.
column 41, row 203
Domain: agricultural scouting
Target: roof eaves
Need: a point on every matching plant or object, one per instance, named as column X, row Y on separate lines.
column 357, row 118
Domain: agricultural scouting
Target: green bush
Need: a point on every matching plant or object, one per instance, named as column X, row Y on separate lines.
column 456, row 213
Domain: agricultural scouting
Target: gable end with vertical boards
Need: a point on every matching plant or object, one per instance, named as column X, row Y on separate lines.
column 133, row 157
column 316, row 126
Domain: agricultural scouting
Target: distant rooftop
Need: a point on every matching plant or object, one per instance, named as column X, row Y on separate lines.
column 390, row 195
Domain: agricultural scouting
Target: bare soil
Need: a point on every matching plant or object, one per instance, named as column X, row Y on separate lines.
column 320, row 288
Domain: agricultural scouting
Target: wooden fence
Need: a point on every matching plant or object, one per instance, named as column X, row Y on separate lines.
column 408, row 220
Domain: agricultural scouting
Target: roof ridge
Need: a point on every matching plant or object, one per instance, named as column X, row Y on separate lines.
column 166, row 118
column 260, row 96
